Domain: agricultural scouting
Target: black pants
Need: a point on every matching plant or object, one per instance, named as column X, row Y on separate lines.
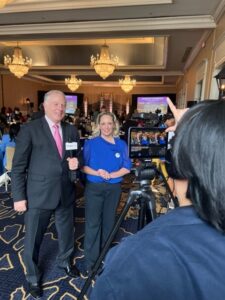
column 101, row 201
column 36, row 222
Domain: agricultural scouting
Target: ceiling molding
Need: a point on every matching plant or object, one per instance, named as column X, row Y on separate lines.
column 197, row 49
column 43, row 78
column 78, row 68
column 219, row 11
column 79, row 42
column 39, row 78
column 184, row 22
column 44, row 5
column 42, row 74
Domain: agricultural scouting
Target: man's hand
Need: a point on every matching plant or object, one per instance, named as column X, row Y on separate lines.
column 20, row 206
column 177, row 113
column 73, row 163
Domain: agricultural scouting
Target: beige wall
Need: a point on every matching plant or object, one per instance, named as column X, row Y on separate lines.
column 15, row 91
column 206, row 54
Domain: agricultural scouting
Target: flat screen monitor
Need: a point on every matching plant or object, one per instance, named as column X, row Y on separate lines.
column 152, row 104
column 147, row 142
column 71, row 104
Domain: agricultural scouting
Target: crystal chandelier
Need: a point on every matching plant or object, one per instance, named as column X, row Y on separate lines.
column 18, row 65
column 105, row 64
column 127, row 83
column 4, row 2
column 73, row 83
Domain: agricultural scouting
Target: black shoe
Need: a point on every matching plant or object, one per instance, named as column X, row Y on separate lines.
column 72, row 271
column 35, row 290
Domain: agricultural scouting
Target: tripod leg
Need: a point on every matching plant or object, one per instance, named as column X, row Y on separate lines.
column 175, row 201
column 131, row 198
column 142, row 214
column 151, row 213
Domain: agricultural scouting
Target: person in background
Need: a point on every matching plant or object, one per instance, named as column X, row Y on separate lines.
column 13, row 132
column 128, row 123
column 179, row 255
column 41, row 185
column 103, row 109
column 3, row 114
column 38, row 114
column 106, row 161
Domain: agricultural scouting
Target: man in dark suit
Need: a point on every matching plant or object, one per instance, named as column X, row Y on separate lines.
column 42, row 185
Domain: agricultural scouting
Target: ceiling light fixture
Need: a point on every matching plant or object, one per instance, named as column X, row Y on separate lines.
column 18, row 65
column 73, row 83
column 3, row 3
column 105, row 64
column 127, row 83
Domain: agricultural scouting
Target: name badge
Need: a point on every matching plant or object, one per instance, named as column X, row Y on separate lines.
column 71, row 146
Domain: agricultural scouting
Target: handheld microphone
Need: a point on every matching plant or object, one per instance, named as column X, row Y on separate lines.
column 73, row 173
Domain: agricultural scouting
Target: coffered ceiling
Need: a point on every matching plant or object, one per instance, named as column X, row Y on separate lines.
column 154, row 40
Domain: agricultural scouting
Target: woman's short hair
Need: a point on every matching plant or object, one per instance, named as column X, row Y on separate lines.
column 96, row 129
column 198, row 154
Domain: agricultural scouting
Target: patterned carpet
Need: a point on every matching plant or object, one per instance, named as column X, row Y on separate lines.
column 56, row 285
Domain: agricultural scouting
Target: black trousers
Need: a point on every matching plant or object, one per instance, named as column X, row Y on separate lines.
column 36, row 222
column 101, row 201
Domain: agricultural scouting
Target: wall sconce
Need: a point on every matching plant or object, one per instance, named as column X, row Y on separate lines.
column 27, row 101
column 220, row 78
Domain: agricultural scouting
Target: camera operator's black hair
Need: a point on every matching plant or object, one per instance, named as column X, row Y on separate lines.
column 198, row 154
column 170, row 166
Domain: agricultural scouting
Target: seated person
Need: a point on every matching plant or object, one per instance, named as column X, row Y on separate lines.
column 9, row 140
column 180, row 255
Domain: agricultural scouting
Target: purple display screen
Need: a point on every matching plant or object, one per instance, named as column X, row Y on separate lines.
column 71, row 104
column 151, row 104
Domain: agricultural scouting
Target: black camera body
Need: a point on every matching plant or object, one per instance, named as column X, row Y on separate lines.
column 144, row 170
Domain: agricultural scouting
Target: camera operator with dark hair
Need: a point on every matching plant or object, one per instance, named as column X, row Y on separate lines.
column 180, row 255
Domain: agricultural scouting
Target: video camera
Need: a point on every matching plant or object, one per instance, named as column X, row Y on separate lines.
column 150, row 119
column 145, row 144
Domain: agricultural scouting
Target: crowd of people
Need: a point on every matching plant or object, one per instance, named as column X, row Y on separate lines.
column 173, row 257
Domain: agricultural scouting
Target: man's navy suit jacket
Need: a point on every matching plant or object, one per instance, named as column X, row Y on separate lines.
column 39, row 174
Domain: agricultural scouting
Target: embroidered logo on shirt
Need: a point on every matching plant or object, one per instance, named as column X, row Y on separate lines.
column 117, row 155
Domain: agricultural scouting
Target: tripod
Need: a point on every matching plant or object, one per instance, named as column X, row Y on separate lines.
column 147, row 213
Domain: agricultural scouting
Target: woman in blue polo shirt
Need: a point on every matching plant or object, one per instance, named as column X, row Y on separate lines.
column 106, row 161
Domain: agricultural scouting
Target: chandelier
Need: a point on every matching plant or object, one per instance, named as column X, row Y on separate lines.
column 4, row 2
column 127, row 83
column 73, row 83
column 18, row 65
column 105, row 64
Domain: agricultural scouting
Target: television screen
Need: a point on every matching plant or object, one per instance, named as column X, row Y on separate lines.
column 151, row 104
column 147, row 142
column 71, row 104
